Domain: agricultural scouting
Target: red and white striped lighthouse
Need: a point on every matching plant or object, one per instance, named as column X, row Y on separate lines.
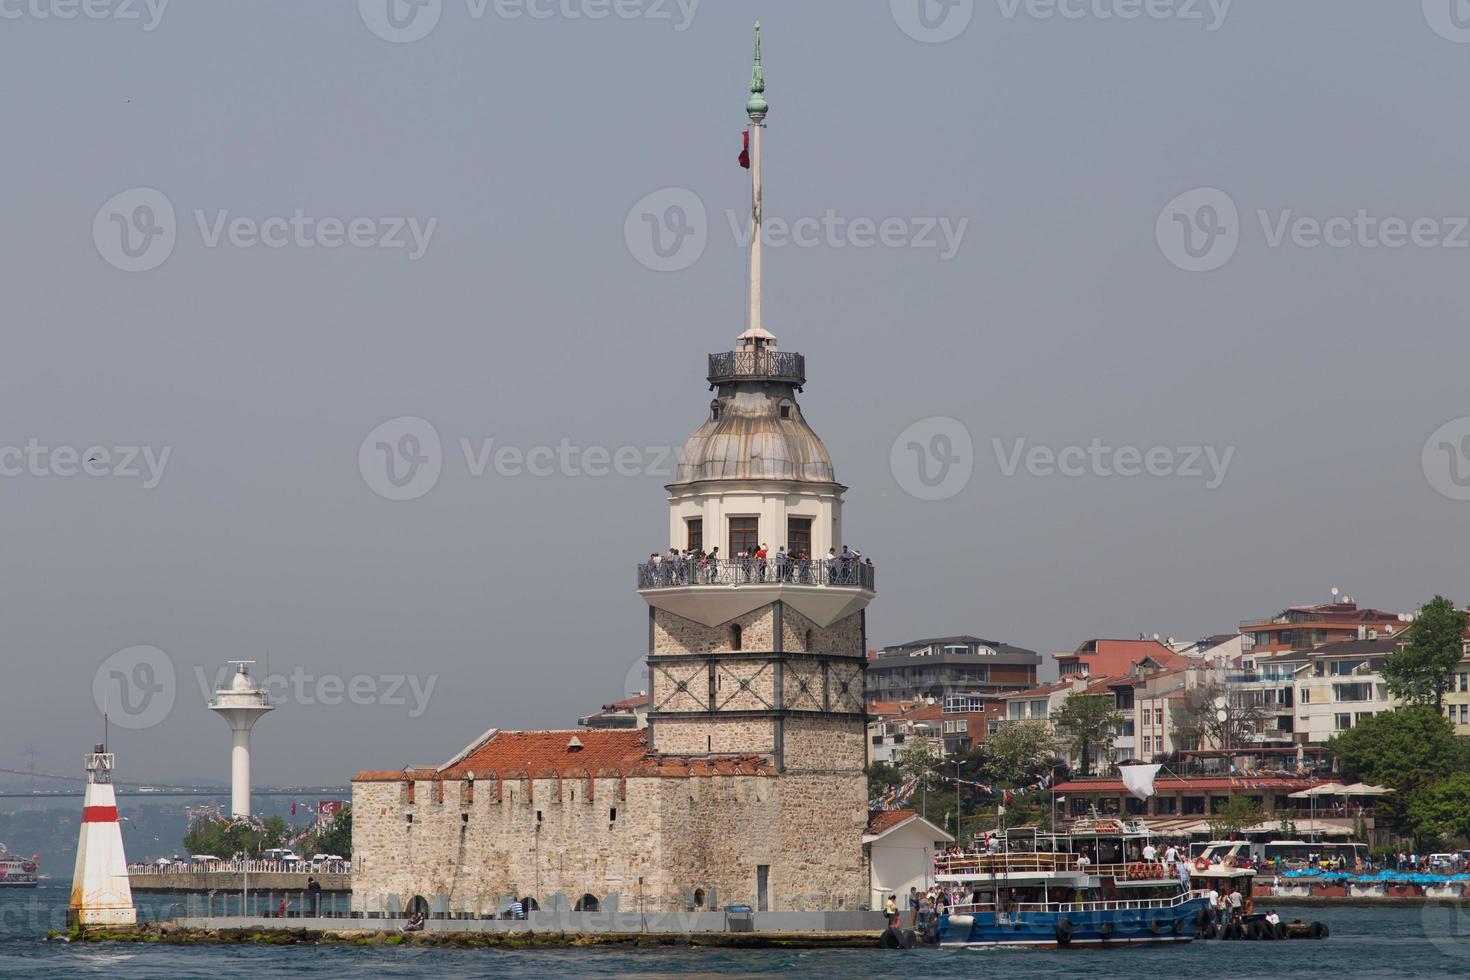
column 100, row 893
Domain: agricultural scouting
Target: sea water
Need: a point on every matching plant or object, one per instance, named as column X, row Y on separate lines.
column 1428, row 942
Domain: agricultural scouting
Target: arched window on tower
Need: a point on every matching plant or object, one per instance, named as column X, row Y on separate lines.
column 714, row 409
column 808, row 644
column 735, row 636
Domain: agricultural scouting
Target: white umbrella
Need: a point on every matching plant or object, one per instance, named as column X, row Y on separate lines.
column 1326, row 789
column 1363, row 789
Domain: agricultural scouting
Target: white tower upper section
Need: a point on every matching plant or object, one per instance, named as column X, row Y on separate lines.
column 241, row 704
column 755, row 458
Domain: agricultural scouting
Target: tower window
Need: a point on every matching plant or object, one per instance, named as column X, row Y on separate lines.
column 786, row 411
column 744, row 535
column 695, row 528
column 714, row 409
column 735, row 637
column 808, row 645
column 612, row 814
column 799, row 536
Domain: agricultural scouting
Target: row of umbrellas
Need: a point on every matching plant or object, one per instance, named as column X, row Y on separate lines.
column 1385, row 876
column 1338, row 789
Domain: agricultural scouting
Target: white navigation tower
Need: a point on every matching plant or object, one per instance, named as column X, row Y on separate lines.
column 100, row 892
column 241, row 704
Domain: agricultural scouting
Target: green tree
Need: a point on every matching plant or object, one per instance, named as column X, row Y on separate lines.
column 882, row 777
column 1442, row 809
column 1085, row 721
column 1018, row 752
column 226, row 837
column 1238, row 813
column 1419, row 672
column 1403, row 748
column 918, row 756
column 333, row 838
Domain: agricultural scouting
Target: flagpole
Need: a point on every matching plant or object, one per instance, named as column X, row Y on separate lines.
column 756, row 108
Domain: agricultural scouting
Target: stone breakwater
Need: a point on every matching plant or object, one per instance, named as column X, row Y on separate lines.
column 169, row 934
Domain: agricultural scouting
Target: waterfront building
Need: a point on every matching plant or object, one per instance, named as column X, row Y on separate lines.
column 956, row 725
column 747, row 786
column 1114, row 658
column 950, row 666
column 1457, row 697
column 1299, row 628
column 1182, row 806
column 1340, row 685
column 629, row 712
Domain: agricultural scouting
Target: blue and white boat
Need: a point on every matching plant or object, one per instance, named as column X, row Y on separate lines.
column 1090, row 886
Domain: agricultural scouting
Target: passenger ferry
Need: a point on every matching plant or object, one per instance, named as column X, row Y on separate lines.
column 1089, row 886
column 16, row 871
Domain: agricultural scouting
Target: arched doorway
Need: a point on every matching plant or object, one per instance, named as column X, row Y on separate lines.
column 418, row 904
column 587, row 903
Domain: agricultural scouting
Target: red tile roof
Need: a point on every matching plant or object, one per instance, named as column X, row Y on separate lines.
column 609, row 752
column 881, row 820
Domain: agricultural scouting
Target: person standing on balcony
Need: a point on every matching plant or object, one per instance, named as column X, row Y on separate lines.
column 831, row 566
column 760, row 559
column 783, row 564
column 712, row 565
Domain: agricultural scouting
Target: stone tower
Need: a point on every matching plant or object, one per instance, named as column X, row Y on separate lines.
column 755, row 657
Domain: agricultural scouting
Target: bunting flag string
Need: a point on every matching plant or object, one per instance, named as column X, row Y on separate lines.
column 898, row 797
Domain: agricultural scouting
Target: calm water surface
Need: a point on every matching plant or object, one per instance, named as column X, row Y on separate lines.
column 1419, row 943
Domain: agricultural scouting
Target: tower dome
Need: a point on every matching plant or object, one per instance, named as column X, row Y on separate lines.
column 755, row 431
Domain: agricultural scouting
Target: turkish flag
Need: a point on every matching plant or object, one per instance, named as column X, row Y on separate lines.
column 745, row 150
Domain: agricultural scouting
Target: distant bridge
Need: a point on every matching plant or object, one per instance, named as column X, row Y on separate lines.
column 338, row 792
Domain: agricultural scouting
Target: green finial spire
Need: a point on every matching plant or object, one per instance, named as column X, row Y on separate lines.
column 756, row 107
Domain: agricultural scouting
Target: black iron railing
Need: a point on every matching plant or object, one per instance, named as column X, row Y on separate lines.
column 760, row 365
column 669, row 573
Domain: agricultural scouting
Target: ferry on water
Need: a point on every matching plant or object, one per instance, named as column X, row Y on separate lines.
column 17, row 871
column 1101, row 883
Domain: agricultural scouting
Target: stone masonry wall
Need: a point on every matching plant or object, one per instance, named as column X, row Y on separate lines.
column 680, row 834
column 674, row 634
column 844, row 636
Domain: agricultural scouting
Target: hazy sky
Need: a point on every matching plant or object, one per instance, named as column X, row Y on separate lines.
column 529, row 153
